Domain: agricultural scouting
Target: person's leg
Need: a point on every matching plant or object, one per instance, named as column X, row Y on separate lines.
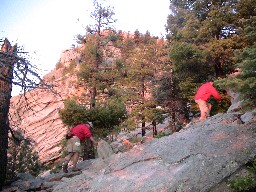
column 66, row 161
column 203, row 108
column 67, row 158
column 70, row 146
column 75, row 160
column 76, row 149
column 209, row 106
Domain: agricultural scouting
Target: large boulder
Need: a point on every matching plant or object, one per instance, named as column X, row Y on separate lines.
column 104, row 150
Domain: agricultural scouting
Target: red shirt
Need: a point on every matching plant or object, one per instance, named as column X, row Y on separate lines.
column 82, row 131
column 206, row 91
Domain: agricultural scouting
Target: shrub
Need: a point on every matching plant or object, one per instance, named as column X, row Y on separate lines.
column 22, row 158
column 162, row 134
column 245, row 183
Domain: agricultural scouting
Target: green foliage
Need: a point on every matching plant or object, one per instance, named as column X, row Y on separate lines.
column 107, row 116
column 159, row 135
column 219, row 55
column 94, row 70
column 73, row 113
column 148, row 112
column 22, row 158
column 184, row 54
column 242, row 184
column 245, row 183
column 220, row 107
column 245, row 81
column 187, row 62
column 252, row 166
column 129, row 123
column 135, row 140
column 189, row 71
column 103, row 16
column 204, row 37
column 142, row 65
column 204, row 34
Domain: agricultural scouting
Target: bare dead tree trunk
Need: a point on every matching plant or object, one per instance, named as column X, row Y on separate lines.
column 6, row 76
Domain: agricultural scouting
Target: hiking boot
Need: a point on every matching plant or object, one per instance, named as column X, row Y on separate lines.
column 65, row 168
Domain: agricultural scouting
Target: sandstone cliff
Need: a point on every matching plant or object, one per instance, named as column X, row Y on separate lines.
column 36, row 112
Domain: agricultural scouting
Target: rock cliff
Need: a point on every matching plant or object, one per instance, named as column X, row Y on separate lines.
column 36, row 112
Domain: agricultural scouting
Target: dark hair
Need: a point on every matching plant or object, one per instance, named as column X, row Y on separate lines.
column 210, row 79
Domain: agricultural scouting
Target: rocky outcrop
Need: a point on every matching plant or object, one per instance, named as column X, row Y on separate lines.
column 198, row 158
column 104, row 150
column 37, row 113
column 41, row 122
column 68, row 56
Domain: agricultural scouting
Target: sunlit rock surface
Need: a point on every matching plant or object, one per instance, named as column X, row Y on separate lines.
column 37, row 111
column 198, row 158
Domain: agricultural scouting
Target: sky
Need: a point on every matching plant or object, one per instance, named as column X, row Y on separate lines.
column 45, row 28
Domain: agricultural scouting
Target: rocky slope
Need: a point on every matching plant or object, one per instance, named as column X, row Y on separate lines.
column 198, row 158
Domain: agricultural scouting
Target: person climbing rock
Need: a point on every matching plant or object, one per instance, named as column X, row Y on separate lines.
column 202, row 96
column 75, row 136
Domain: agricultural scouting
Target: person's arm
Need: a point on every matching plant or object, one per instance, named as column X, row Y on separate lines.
column 94, row 142
column 215, row 93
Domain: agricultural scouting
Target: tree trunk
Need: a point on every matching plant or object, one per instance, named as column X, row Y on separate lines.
column 6, row 71
column 143, row 128
column 93, row 97
column 154, row 128
column 173, row 115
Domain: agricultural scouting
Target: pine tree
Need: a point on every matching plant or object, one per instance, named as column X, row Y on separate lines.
column 143, row 62
column 94, row 70
column 204, row 37
column 244, row 80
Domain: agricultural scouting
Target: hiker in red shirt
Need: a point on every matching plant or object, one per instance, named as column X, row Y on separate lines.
column 203, row 95
column 75, row 136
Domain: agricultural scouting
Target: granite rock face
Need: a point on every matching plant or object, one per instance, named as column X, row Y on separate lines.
column 194, row 159
column 198, row 158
